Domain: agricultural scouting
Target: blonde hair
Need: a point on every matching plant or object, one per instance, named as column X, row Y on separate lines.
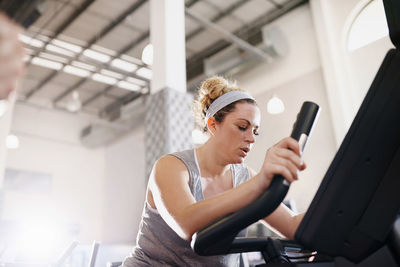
column 211, row 89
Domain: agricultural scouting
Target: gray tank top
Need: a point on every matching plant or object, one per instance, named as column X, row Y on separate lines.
column 158, row 245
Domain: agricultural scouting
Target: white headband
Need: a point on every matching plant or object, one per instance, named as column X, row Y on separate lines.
column 224, row 100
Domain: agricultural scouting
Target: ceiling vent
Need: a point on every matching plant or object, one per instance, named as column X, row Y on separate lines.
column 233, row 59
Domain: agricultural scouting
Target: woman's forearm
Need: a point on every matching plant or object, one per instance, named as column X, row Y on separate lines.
column 193, row 217
column 204, row 212
column 284, row 221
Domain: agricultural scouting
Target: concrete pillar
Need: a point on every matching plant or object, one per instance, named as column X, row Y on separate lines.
column 167, row 34
column 169, row 121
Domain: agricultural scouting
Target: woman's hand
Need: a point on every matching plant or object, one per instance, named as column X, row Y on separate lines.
column 284, row 159
column 11, row 56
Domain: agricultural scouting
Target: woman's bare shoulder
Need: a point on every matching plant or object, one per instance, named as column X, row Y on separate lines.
column 169, row 161
column 169, row 165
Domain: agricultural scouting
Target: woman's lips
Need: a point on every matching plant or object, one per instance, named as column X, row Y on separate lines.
column 244, row 151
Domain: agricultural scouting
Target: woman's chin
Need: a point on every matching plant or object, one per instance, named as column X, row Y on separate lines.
column 238, row 160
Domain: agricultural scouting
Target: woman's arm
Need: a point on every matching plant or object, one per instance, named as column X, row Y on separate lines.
column 177, row 206
column 169, row 188
column 283, row 219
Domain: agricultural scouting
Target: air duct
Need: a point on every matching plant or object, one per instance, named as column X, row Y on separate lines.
column 233, row 59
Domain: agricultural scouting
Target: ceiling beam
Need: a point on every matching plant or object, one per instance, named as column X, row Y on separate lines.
column 228, row 35
column 275, row 3
column 100, row 65
column 116, row 22
column 82, row 8
column 115, row 106
column 98, row 94
column 217, row 48
column 124, row 50
column 217, row 18
column 69, row 90
column 134, row 95
column 195, row 64
column 191, row 3
column 92, row 41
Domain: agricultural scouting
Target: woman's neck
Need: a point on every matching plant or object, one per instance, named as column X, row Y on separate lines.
column 210, row 161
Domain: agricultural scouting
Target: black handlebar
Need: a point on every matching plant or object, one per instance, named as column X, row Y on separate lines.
column 217, row 237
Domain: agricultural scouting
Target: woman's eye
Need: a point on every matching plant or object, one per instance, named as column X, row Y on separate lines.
column 242, row 128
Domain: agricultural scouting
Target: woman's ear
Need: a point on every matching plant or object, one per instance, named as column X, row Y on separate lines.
column 211, row 125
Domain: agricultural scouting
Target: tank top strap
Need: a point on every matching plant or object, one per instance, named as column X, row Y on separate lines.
column 240, row 173
column 188, row 157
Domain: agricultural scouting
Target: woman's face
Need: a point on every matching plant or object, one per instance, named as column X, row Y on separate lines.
column 236, row 134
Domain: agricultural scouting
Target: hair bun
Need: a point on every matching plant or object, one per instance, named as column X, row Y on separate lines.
column 216, row 86
column 213, row 85
column 210, row 90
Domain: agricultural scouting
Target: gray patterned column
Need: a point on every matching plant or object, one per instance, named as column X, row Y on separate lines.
column 168, row 124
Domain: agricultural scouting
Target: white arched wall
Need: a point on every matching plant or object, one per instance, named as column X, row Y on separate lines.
column 347, row 74
column 363, row 63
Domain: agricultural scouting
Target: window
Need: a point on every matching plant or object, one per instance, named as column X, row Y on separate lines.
column 368, row 26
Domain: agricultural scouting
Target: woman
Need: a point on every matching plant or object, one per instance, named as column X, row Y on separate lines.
column 190, row 189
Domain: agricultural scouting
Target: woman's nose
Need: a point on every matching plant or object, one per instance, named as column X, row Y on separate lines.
column 250, row 137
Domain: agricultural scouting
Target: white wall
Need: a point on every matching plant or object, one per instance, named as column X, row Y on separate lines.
column 5, row 125
column 101, row 190
column 295, row 78
column 345, row 88
column 329, row 20
column 125, row 186
column 320, row 147
column 363, row 64
column 49, row 144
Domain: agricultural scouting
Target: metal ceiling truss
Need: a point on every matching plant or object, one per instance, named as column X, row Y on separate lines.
column 116, row 22
column 53, row 16
column 97, row 65
column 228, row 35
column 112, row 111
column 62, row 27
column 217, row 18
column 250, row 33
column 275, row 3
column 128, row 47
column 91, row 42
column 121, row 101
column 68, row 22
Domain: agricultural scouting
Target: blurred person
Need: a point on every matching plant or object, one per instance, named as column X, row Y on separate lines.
column 11, row 56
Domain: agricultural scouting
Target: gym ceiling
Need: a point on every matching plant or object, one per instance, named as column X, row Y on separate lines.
column 92, row 49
